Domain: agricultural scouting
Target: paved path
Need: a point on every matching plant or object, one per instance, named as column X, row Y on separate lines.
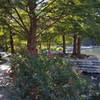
column 4, row 78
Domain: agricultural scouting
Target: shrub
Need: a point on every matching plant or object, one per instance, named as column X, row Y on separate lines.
column 46, row 78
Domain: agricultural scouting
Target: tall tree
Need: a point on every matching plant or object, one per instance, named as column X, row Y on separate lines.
column 26, row 14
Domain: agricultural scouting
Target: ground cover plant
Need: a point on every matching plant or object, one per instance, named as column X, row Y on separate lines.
column 41, row 77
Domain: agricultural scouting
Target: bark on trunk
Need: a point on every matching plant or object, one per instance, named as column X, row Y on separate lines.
column 48, row 47
column 12, row 43
column 78, row 46
column 40, row 47
column 75, row 44
column 31, row 41
column 64, row 44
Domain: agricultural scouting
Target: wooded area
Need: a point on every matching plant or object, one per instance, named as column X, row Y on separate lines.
column 32, row 23
column 31, row 29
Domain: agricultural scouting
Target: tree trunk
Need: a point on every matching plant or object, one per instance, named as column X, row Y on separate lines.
column 32, row 41
column 64, row 44
column 48, row 47
column 12, row 43
column 40, row 47
column 78, row 46
column 75, row 44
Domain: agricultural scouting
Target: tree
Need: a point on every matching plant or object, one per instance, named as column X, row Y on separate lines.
column 33, row 11
column 80, row 16
column 33, row 18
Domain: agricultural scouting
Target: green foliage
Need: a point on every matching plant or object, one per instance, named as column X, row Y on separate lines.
column 46, row 78
column 54, row 19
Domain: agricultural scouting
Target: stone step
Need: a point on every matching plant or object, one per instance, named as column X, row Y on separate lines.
column 89, row 70
column 82, row 63
column 96, row 64
column 85, row 61
column 89, row 66
column 92, row 66
column 92, row 71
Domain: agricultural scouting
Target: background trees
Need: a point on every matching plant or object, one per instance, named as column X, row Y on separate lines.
column 39, row 21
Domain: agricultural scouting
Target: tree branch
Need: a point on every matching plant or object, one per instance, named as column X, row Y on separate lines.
column 17, row 22
column 46, row 7
column 56, row 20
column 20, row 18
column 40, row 2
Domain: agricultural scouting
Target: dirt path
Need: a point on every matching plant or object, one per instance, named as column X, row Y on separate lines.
column 4, row 79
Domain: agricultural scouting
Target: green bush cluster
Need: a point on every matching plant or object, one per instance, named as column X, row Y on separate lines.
column 46, row 78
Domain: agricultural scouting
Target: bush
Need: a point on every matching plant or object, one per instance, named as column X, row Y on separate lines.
column 46, row 78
